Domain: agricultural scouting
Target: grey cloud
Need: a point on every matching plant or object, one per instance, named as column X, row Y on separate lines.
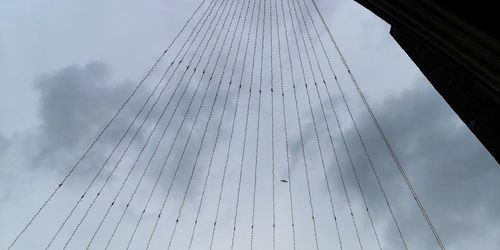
column 75, row 102
column 4, row 143
column 449, row 168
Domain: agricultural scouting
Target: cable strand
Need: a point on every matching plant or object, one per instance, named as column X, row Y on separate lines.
column 382, row 134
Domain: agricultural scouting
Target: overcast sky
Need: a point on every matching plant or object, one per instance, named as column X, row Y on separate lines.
column 66, row 67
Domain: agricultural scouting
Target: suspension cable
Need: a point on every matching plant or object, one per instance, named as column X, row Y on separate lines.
column 161, row 172
column 379, row 183
column 185, row 146
column 273, row 161
column 116, row 165
column 214, row 228
column 177, row 105
column 355, row 126
column 382, row 134
column 207, row 123
column 283, row 109
column 340, row 127
column 222, row 116
column 201, row 104
column 105, row 128
column 140, row 180
column 120, row 159
column 258, row 127
column 246, row 125
column 306, row 168
column 104, row 164
column 330, row 196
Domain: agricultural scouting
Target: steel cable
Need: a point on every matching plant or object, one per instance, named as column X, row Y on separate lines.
column 257, row 139
column 283, row 109
column 246, row 126
column 306, row 167
column 221, row 118
column 214, row 228
column 382, row 134
column 178, row 103
column 207, row 123
column 61, row 183
column 120, row 159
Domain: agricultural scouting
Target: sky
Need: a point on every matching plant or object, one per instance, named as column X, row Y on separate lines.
column 66, row 67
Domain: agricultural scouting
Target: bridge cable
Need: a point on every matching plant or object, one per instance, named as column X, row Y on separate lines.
column 166, row 159
column 108, row 158
column 156, row 183
column 143, row 174
column 222, row 115
column 99, row 135
column 180, row 99
column 150, row 195
column 103, row 165
column 306, row 167
column 192, row 129
column 257, row 139
column 382, row 134
column 273, row 156
column 195, row 164
column 356, row 128
column 330, row 195
column 214, row 228
column 140, row 180
column 340, row 128
column 359, row 136
column 283, row 108
column 246, row 125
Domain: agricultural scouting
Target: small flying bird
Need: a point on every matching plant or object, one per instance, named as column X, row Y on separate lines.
column 283, row 180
